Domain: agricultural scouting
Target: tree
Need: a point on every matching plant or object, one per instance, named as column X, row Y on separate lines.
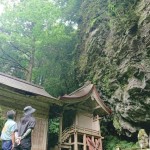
column 25, row 28
column 37, row 44
column 2, row 121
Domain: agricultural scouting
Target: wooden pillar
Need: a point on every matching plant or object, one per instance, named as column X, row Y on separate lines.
column 101, row 146
column 84, row 142
column 92, row 139
column 75, row 141
column 149, row 139
column 60, row 130
column 70, row 142
column 100, row 140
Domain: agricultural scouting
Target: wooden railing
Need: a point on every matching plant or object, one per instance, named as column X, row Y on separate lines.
column 87, row 131
column 68, row 131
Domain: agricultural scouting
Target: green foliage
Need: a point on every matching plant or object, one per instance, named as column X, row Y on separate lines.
column 25, row 30
column 37, row 44
column 112, row 142
column 109, row 71
column 2, row 120
column 122, row 13
column 54, row 126
column 70, row 9
column 117, row 124
column 90, row 13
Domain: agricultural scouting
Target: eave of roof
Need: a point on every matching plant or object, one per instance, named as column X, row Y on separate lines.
column 83, row 94
column 102, row 104
column 79, row 94
column 23, row 85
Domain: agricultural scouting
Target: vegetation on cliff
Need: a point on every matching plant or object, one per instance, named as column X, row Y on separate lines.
column 113, row 52
column 2, row 121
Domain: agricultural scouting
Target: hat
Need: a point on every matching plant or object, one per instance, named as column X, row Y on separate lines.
column 11, row 114
column 29, row 110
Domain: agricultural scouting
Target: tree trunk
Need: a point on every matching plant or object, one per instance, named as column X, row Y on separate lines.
column 30, row 66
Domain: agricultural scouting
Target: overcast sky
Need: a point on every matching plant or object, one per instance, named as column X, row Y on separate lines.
column 1, row 8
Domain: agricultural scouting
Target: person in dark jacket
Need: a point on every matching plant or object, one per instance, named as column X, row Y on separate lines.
column 25, row 127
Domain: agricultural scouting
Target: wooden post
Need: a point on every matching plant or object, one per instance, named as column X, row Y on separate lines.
column 99, row 123
column 101, row 146
column 92, row 139
column 149, row 139
column 60, row 130
column 84, row 142
column 70, row 142
column 100, row 139
column 75, row 141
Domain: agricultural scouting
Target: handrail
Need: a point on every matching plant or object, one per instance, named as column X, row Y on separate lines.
column 86, row 129
column 67, row 130
column 71, row 129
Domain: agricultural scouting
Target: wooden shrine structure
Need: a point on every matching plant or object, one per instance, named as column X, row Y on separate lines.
column 16, row 94
column 80, row 119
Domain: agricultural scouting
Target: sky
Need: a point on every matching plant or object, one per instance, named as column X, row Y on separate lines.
column 1, row 8
column 11, row 2
column 8, row 2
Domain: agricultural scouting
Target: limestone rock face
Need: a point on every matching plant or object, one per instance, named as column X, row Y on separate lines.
column 143, row 139
column 114, row 53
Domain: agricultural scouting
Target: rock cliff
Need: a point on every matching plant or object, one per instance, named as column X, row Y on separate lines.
column 114, row 53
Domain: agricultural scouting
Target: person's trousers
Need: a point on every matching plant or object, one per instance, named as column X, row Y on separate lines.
column 6, row 144
column 25, row 144
column 21, row 147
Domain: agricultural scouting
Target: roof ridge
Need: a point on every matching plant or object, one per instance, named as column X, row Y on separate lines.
column 86, row 84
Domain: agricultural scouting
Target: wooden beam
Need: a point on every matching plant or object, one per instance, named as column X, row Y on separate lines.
column 97, row 107
column 78, row 107
column 21, row 98
column 50, row 100
column 45, row 99
column 75, row 100
column 16, row 106
column 88, row 109
column 65, row 145
column 24, row 103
